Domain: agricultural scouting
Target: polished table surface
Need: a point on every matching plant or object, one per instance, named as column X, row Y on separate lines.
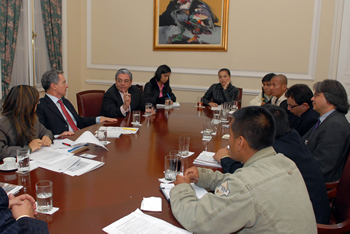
column 133, row 164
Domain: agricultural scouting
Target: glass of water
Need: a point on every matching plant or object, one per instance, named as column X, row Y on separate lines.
column 148, row 109
column 170, row 167
column 44, row 194
column 101, row 135
column 136, row 115
column 23, row 159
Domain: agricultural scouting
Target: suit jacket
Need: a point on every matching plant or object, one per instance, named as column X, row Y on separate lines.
column 292, row 146
column 219, row 95
column 329, row 144
column 24, row 225
column 302, row 124
column 151, row 92
column 112, row 101
column 51, row 117
column 8, row 137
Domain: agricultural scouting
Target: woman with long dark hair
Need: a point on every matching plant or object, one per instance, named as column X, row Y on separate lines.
column 221, row 92
column 158, row 88
column 19, row 124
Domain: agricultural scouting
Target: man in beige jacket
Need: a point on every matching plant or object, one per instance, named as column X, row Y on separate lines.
column 267, row 195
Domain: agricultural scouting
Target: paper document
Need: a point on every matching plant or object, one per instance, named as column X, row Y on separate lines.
column 83, row 166
column 174, row 105
column 48, row 155
column 216, row 108
column 138, row 222
column 200, row 192
column 88, row 137
column 62, row 165
column 115, row 132
column 206, row 159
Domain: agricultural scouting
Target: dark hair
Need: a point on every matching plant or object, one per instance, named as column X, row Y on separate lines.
column 256, row 125
column 161, row 70
column 50, row 77
column 281, row 119
column 226, row 70
column 334, row 93
column 301, row 93
column 123, row 71
column 268, row 77
column 19, row 107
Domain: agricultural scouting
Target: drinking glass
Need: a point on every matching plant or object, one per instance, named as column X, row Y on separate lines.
column 23, row 159
column 234, row 106
column 136, row 117
column 216, row 117
column 101, row 135
column 176, row 154
column 167, row 103
column 44, row 194
column 200, row 102
column 184, row 144
column 148, row 109
column 170, row 167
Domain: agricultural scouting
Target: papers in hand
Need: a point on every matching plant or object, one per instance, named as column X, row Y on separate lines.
column 206, row 159
column 200, row 192
column 138, row 222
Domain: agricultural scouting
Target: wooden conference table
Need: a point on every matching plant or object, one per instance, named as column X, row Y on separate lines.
column 133, row 164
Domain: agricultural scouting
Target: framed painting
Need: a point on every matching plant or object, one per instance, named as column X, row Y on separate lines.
column 192, row 25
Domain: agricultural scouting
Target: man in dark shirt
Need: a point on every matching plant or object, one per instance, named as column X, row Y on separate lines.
column 302, row 115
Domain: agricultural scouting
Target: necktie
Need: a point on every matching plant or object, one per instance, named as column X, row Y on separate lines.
column 316, row 125
column 69, row 119
column 276, row 101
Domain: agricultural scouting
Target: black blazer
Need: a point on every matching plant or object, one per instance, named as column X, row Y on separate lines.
column 305, row 122
column 329, row 144
column 292, row 146
column 51, row 117
column 24, row 225
column 112, row 101
column 219, row 95
column 151, row 92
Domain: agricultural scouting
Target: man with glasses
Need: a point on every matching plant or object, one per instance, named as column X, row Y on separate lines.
column 328, row 140
column 122, row 98
column 302, row 116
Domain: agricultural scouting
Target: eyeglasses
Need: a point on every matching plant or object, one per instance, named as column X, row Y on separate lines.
column 291, row 107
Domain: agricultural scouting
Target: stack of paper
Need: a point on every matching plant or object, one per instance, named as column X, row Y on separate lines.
column 174, row 105
column 206, row 159
column 10, row 188
column 200, row 192
column 115, row 132
column 138, row 222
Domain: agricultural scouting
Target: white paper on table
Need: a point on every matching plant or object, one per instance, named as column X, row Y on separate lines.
column 53, row 210
column 83, row 166
column 151, row 204
column 88, row 137
column 138, row 222
column 216, row 107
column 58, row 144
column 200, row 192
column 62, row 165
column 48, row 155
column 206, row 158
column 174, row 105
column 188, row 155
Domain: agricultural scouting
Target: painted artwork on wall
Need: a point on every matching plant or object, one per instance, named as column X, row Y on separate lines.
column 190, row 25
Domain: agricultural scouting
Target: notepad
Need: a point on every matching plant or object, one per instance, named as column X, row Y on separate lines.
column 165, row 188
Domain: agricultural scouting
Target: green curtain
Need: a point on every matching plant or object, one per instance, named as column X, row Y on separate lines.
column 52, row 18
column 10, row 11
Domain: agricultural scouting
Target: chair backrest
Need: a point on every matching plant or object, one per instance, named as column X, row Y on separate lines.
column 239, row 97
column 341, row 205
column 90, row 102
column 140, row 87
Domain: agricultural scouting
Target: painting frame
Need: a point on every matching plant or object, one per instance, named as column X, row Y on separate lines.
column 221, row 46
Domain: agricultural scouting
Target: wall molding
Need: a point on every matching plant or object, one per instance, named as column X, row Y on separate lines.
column 310, row 75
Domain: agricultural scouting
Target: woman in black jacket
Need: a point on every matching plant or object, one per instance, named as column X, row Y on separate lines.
column 221, row 92
column 158, row 89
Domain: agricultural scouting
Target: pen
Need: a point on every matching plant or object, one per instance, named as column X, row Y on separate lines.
column 66, row 144
column 168, row 95
column 133, row 129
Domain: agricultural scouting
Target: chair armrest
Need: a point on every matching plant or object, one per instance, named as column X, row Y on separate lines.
column 333, row 184
column 332, row 193
column 334, row 228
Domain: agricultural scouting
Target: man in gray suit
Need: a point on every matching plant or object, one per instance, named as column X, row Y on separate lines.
column 328, row 141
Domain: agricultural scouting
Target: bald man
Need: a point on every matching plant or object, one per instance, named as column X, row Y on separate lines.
column 278, row 89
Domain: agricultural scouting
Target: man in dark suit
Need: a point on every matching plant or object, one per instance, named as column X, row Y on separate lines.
column 328, row 141
column 17, row 215
column 278, row 88
column 57, row 113
column 122, row 97
column 302, row 116
column 289, row 143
